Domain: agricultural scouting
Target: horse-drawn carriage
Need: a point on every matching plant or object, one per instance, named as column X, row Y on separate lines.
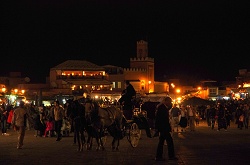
column 131, row 129
column 103, row 122
column 143, row 119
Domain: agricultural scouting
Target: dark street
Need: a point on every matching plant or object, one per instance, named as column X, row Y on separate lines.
column 203, row 146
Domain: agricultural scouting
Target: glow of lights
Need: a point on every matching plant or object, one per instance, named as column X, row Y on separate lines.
column 246, row 85
column 177, row 100
column 3, row 89
column 64, row 101
column 172, row 85
column 12, row 98
column 226, row 98
column 46, row 103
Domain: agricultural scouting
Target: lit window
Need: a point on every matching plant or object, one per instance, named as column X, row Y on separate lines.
column 119, row 85
column 212, row 91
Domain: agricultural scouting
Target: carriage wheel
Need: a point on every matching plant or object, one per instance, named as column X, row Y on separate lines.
column 134, row 135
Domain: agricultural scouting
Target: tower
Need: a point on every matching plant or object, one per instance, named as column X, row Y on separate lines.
column 142, row 49
column 145, row 67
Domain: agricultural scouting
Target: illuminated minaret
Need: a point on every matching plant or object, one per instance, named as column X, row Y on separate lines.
column 142, row 61
column 142, row 49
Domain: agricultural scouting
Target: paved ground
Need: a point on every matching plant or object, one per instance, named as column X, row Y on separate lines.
column 202, row 147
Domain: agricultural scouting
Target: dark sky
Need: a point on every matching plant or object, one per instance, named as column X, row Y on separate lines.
column 203, row 39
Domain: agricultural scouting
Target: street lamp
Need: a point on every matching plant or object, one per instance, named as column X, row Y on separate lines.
column 178, row 91
column 22, row 91
column 15, row 90
column 172, row 85
column 3, row 90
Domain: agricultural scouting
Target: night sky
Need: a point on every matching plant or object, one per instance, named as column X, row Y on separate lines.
column 189, row 39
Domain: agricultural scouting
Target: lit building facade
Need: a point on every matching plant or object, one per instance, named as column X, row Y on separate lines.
column 80, row 78
column 85, row 77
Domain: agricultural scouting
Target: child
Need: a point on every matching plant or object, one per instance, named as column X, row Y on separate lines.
column 49, row 127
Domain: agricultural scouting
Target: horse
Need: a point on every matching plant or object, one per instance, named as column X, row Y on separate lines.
column 108, row 118
column 91, row 129
column 76, row 112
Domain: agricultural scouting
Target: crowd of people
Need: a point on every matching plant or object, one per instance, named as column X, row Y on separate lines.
column 169, row 118
column 46, row 121
column 219, row 115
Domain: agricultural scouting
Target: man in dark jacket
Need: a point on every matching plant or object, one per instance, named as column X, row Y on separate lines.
column 163, row 128
column 128, row 95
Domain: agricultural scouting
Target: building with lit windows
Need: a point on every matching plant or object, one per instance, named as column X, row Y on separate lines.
column 80, row 78
column 83, row 77
column 243, row 84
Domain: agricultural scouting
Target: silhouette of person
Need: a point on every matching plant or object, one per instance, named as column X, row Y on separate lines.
column 126, row 100
column 163, row 129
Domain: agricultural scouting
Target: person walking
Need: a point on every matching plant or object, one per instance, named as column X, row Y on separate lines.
column 246, row 111
column 191, row 117
column 207, row 112
column 163, row 129
column 59, row 115
column 49, row 128
column 19, row 123
column 174, row 117
column 9, row 119
column 183, row 120
column 221, row 117
column 3, row 119
column 211, row 115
